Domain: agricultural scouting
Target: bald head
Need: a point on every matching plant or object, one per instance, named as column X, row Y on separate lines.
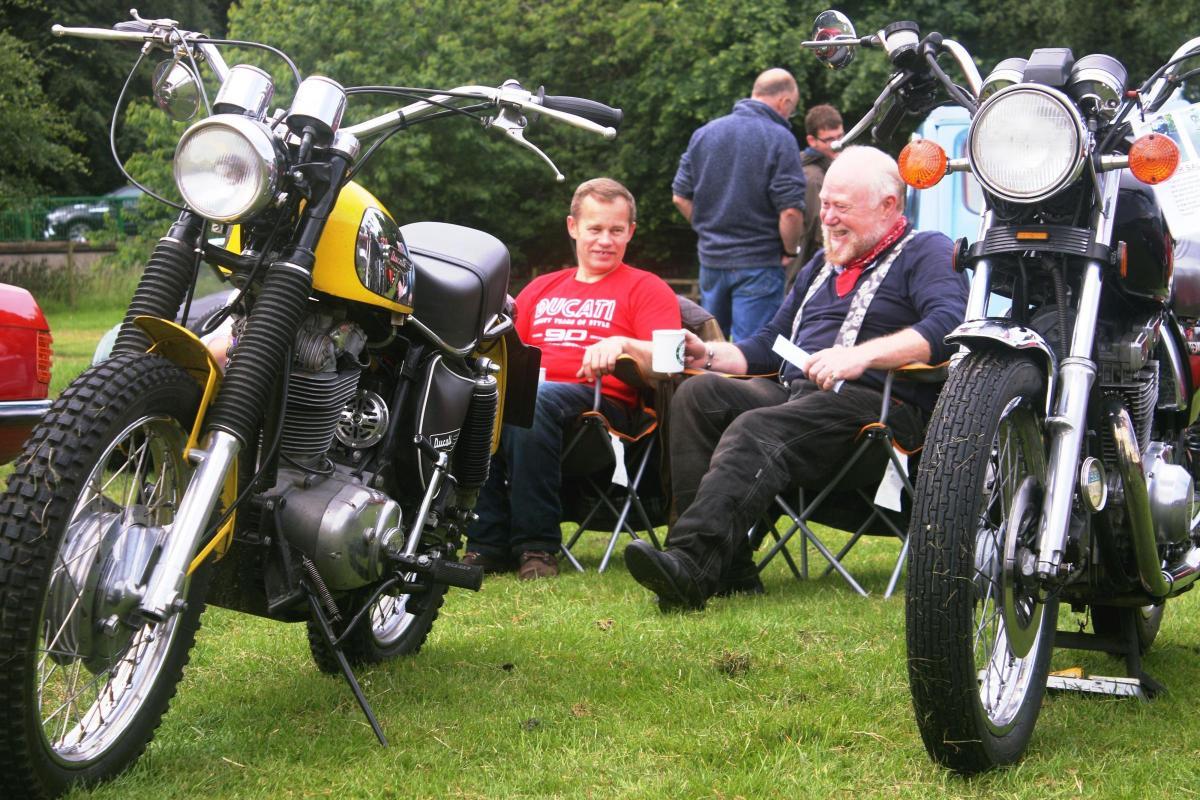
column 774, row 82
column 777, row 88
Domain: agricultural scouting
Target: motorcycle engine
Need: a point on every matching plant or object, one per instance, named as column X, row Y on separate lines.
column 1127, row 369
column 326, row 511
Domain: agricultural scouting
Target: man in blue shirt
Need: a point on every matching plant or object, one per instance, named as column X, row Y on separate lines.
column 741, row 186
column 878, row 296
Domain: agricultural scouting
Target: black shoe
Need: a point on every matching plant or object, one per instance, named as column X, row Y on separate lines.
column 747, row 585
column 663, row 574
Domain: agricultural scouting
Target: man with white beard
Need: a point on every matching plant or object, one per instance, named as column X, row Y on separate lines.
column 879, row 295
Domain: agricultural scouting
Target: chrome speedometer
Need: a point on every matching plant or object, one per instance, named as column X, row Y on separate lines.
column 1027, row 142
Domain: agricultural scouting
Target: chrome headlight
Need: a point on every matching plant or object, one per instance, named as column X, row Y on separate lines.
column 1026, row 143
column 227, row 167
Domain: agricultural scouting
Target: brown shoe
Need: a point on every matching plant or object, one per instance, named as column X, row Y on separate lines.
column 491, row 564
column 537, row 564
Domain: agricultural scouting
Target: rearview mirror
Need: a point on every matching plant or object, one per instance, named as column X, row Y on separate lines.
column 176, row 90
column 833, row 26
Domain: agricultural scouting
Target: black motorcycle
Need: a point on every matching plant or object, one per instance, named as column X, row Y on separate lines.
column 1061, row 459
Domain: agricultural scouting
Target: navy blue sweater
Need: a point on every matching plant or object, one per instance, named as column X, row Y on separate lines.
column 921, row 292
column 740, row 171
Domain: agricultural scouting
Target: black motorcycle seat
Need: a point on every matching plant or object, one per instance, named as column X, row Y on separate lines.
column 461, row 281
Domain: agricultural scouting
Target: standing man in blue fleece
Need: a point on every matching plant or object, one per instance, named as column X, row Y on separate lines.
column 878, row 296
column 741, row 186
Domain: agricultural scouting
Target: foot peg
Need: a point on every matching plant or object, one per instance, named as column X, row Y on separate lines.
column 442, row 570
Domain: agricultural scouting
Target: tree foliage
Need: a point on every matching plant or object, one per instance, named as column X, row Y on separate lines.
column 670, row 64
column 80, row 79
column 37, row 133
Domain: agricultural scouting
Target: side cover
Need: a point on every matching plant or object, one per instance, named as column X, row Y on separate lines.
column 462, row 279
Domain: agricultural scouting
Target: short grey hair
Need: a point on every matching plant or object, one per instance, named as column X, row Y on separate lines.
column 875, row 169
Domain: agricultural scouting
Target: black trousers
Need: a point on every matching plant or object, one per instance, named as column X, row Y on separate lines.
column 735, row 444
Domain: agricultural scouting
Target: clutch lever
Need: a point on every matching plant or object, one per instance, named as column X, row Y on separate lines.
column 511, row 123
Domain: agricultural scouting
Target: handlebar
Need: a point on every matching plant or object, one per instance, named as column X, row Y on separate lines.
column 582, row 107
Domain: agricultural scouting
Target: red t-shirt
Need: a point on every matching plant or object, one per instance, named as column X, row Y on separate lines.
column 563, row 316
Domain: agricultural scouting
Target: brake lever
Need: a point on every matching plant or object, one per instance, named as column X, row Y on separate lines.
column 512, row 123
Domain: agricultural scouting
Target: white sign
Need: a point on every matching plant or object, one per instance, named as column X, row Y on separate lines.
column 1179, row 195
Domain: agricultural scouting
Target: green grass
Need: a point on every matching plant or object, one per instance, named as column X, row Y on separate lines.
column 578, row 687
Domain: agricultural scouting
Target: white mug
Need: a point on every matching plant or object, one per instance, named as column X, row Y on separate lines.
column 668, row 351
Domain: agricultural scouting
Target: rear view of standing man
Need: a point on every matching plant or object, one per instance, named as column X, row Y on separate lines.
column 741, row 186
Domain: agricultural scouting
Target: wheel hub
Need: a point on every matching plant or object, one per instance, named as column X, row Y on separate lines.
column 106, row 557
column 1022, row 612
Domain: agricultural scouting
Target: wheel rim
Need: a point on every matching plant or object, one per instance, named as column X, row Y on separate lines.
column 1008, row 616
column 96, row 663
column 390, row 618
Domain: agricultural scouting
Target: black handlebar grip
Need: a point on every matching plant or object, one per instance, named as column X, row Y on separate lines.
column 132, row 26
column 588, row 109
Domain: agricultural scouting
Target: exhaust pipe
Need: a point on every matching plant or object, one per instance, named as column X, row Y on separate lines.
column 1157, row 581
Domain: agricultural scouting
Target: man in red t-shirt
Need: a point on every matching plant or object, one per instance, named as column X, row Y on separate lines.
column 582, row 318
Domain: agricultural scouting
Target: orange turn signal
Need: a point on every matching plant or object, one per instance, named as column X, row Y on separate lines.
column 1153, row 158
column 922, row 163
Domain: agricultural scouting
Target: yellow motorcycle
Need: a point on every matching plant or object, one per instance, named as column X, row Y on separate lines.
column 323, row 474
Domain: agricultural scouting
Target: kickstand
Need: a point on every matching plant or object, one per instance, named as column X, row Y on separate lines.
column 347, row 673
column 1135, row 683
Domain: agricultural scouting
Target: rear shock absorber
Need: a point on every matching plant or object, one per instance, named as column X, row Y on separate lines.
column 473, row 452
column 164, row 283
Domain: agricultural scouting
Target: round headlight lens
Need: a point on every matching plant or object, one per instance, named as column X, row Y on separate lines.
column 227, row 168
column 1026, row 143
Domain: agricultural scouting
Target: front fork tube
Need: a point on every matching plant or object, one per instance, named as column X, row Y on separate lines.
column 164, row 593
column 1068, row 425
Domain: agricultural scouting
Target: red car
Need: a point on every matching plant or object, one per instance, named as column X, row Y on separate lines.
column 25, row 355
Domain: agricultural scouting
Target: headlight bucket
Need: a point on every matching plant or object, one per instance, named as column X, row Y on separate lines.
column 1027, row 142
column 227, row 167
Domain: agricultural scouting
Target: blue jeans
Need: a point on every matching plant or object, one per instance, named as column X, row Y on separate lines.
column 526, row 474
column 742, row 300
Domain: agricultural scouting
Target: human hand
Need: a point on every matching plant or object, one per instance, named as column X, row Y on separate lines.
column 695, row 349
column 833, row 364
column 601, row 358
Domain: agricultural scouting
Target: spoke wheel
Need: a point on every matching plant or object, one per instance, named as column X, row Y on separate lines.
column 396, row 625
column 979, row 636
column 84, row 679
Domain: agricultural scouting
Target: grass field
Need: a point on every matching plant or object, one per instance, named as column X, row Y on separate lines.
column 578, row 687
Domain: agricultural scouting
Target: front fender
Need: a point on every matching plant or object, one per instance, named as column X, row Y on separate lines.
column 184, row 349
column 982, row 334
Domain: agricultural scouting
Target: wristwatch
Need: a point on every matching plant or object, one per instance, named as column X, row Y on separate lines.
column 790, row 254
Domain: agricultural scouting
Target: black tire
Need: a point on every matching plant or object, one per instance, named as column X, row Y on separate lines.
column 80, row 704
column 1106, row 621
column 389, row 632
column 978, row 491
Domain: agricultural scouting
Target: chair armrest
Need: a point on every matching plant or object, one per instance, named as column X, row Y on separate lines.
column 918, row 372
column 630, row 371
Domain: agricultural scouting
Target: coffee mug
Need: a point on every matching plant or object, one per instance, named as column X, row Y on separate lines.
column 668, row 351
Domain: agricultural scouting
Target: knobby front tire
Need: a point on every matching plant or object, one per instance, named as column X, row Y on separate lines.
column 84, row 682
column 979, row 642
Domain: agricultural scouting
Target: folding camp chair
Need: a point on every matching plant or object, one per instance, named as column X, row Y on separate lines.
column 605, row 470
column 589, row 461
column 853, row 500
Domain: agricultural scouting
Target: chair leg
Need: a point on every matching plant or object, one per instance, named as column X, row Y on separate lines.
column 569, row 545
column 891, row 587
